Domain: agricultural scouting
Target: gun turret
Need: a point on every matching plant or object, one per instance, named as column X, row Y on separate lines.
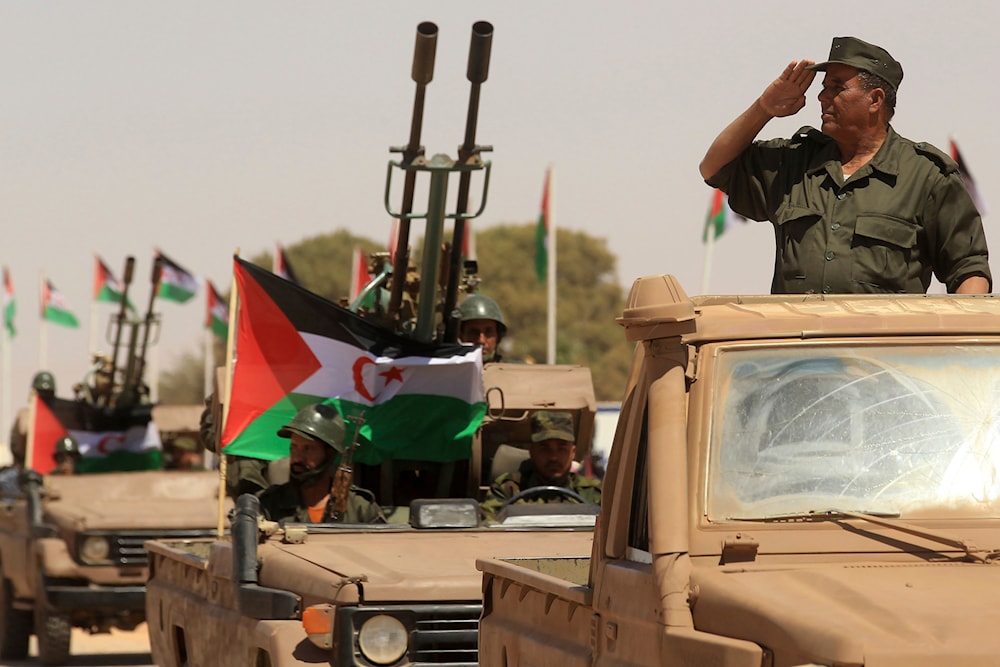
column 108, row 395
column 433, row 265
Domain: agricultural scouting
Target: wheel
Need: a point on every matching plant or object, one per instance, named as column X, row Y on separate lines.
column 534, row 491
column 52, row 630
column 15, row 624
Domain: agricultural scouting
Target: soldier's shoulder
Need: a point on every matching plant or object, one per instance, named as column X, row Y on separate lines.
column 809, row 135
column 927, row 151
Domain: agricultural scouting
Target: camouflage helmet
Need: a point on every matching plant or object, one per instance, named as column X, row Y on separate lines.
column 547, row 425
column 67, row 445
column 320, row 422
column 43, row 381
column 482, row 307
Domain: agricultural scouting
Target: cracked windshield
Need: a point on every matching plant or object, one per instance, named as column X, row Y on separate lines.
column 908, row 430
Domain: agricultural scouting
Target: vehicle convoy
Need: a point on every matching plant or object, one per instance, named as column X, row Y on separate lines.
column 403, row 592
column 794, row 480
column 71, row 545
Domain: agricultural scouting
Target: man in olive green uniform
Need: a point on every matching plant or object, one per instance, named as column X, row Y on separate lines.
column 553, row 448
column 855, row 206
column 317, row 437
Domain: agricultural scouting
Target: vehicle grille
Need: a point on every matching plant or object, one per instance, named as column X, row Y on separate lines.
column 127, row 549
column 440, row 635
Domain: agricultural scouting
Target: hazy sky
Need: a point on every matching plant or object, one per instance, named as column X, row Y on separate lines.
column 206, row 127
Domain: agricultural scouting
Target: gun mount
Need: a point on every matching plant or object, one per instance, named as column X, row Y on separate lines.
column 421, row 303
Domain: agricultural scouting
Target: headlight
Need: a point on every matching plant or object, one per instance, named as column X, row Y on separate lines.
column 382, row 639
column 94, row 550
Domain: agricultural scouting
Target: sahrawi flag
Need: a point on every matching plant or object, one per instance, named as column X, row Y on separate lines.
column 108, row 442
column 542, row 234
column 216, row 313
column 9, row 305
column 294, row 348
column 107, row 288
column 720, row 217
column 970, row 183
column 176, row 283
column 282, row 267
column 55, row 308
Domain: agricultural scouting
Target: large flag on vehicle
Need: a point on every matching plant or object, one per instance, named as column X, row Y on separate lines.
column 176, row 283
column 970, row 183
column 55, row 308
column 542, row 234
column 282, row 267
column 9, row 305
column 418, row 400
column 216, row 313
column 720, row 217
column 108, row 441
column 107, row 288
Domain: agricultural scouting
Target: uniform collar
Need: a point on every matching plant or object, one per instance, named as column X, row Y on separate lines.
column 886, row 160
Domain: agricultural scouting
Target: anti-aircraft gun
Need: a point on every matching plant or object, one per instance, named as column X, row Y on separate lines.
column 421, row 303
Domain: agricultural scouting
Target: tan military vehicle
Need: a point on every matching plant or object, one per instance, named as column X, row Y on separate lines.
column 400, row 593
column 71, row 545
column 794, row 480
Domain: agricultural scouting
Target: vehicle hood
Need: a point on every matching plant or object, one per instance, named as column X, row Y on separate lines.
column 404, row 566
column 876, row 614
column 154, row 499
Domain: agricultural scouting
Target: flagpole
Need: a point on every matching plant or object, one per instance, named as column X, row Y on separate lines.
column 226, row 393
column 5, row 342
column 93, row 327
column 43, row 329
column 551, row 278
column 707, row 268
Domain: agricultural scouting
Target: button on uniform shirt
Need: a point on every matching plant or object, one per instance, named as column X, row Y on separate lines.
column 901, row 217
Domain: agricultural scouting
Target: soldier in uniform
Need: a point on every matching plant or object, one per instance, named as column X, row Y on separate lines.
column 43, row 384
column 551, row 454
column 317, row 435
column 66, row 456
column 855, row 206
column 482, row 323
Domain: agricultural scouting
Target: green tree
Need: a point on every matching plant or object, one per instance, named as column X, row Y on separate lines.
column 588, row 299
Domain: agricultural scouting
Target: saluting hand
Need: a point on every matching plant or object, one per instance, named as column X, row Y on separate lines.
column 787, row 94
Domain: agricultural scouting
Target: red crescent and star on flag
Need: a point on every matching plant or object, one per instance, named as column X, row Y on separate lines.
column 394, row 373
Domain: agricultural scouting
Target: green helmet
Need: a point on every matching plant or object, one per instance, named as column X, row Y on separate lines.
column 43, row 381
column 67, row 445
column 318, row 421
column 481, row 307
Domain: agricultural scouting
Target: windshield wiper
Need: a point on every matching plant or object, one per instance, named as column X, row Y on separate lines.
column 881, row 519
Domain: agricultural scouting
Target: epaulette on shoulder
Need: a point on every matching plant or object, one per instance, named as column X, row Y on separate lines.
column 810, row 134
column 937, row 156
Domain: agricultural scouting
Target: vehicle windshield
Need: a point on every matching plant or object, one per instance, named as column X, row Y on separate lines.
column 910, row 430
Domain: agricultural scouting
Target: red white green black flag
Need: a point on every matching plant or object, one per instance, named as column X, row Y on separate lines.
column 293, row 348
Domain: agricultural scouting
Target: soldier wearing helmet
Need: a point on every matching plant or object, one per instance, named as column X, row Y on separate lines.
column 44, row 383
column 317, row 440
column 482, row 323
column 66, row 456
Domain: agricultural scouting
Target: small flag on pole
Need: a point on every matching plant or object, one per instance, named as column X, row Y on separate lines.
column 970, row 183
column 106, row 287
column 282, row 267
column 9, row 305
column 176, row 283
column 55, row 308
column 359, row 272
column 720, row 217
column 216, row 313
column 542, row 235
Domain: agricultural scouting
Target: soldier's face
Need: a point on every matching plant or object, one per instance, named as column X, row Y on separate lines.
column 844, row 104
column 552, row 458
column 307, row 454
column 483, row 332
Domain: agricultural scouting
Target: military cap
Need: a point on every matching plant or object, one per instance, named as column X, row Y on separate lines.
column 552, row 426
column 867, row 57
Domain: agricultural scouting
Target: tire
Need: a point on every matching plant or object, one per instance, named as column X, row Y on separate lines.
column 15, row 624
column 52, row 630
